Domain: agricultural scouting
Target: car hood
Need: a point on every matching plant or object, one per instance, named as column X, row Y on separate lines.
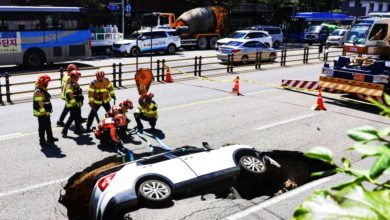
column 225, row 40
column 125, row 41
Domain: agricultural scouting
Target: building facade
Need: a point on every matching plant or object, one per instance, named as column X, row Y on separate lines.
column 370, row 6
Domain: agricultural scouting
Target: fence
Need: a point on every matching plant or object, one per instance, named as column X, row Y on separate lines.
column 198, row 66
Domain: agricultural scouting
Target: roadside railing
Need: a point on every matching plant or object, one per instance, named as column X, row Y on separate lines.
column 122, row 75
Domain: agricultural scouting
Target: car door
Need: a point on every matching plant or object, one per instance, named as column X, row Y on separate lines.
column 250, row 50
column 261, row 47
column 144, row 41
column 159, row 40
column 209, row 163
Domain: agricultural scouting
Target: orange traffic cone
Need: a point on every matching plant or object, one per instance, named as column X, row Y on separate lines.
column 168, row 77
column 236, row 87
column 320, row 103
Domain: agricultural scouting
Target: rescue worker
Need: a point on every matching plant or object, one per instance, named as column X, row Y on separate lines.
column 41, row 109
column 64, row 81
column 74, row 101
column 106, row 130
column 147, row 111
column 123, row 108
column 100, row 93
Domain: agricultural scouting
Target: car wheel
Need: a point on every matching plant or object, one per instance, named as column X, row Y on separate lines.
column 213, row 43
column 252, row 164
column 33, row 58
column 202, row 43
column 272, row 57
column 244, row 60
column 171, row 49
column 154, row 191
column 267, row 44
column 276, row 44
column 134, row 51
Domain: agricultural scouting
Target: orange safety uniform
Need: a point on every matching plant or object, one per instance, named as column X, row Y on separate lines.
column 107, row 124
column 100, row 92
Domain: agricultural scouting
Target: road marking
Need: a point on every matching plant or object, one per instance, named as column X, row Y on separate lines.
column 41, row 185
column 284, row 122
column 20, row 134
column 277, row 199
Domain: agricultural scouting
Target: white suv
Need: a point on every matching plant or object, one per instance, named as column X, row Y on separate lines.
column 162, row 40
column 261, row 36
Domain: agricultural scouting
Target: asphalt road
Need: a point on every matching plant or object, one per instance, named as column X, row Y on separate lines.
column 191, row 112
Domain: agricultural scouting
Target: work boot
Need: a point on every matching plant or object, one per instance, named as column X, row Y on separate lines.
column 64, row 133
column 81, row 131
column 60, row 124
column 88, row 130
column 44, row 143
column 52, row 140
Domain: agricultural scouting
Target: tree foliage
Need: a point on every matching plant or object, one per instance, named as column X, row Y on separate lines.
column 367, row 195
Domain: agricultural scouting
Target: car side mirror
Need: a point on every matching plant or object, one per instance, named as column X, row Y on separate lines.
column 143, row 38
column 206, row 145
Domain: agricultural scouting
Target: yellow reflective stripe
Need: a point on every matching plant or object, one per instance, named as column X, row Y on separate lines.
column 91, row 100
column 98, row 102
column 42, row 110
column 72, row 101
column 91, row 90
column 112, row 93
column 102, row 90
column 37, row 113
column 69, row 90
column 109, row 85
column 38, row 98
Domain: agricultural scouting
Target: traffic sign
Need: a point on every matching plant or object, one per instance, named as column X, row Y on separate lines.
column 112, row 6
column 128, row 8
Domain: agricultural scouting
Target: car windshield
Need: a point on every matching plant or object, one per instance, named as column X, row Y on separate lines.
column 234, row 43
column 358, row 34
column 338, row 33
column 134, row 35
column 237, row 35
column 314, row 29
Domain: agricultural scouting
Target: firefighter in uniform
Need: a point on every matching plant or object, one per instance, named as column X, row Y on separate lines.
column 106, row 130
column 41, row 109
column 100, row 93
column 147, row 111
column 74, row 101
column 64, row 81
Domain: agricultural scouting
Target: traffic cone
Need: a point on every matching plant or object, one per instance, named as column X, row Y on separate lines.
column 168, row 77
column 320, row 103
column 236, row 87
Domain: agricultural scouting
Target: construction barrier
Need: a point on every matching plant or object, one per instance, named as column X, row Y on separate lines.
column 301, row 84
column 351, row 86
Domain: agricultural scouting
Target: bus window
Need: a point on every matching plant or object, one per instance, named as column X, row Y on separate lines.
column 378, row 32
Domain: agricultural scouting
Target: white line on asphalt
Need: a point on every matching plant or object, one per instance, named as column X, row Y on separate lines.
column 277, row 199
column 17, row 191
column 284, row 122
column 9, row 136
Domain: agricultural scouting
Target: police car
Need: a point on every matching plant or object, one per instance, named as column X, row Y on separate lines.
column 167, row 40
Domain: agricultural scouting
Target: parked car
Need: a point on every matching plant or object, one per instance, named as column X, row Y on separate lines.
column 166, row 40
column 245, row 51
column 337, row 38
column 319, row 33
column 156, row 179
column 261, row 36
column 275, row 32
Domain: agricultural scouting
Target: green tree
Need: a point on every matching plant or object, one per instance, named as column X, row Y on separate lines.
column 367, row 195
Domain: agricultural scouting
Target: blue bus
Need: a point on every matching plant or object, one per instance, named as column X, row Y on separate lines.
column 32, row 36
column 297, row 24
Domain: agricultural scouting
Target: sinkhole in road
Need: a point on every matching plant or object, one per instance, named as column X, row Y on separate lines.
column 295, row 171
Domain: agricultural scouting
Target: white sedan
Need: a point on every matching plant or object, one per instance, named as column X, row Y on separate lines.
column 261, row 36
column 156, row 179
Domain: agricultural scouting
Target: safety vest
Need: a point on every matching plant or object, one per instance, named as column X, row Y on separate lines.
column 41, row 102
column 74, row 95
column 64, row 81
column 151, row 112
column 100, row 92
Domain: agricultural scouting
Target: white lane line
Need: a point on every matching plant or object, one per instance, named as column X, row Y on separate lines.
column 277, row 199
column 284, row 122
column 9, row 136
column 33, row 187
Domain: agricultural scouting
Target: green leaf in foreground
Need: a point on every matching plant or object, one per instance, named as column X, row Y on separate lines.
column 365, row 133
column 380, row 165
column 320, row 153
column 351, row 203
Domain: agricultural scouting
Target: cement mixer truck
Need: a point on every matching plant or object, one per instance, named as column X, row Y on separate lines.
column 199, row 27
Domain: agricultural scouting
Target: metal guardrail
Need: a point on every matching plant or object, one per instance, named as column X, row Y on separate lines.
column 198, row 67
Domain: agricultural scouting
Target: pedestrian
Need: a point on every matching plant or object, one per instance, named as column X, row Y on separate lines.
column 74, row 101
column 106, row 130
column 41, row 109
column 147, row 111
column 100, row 93
column 64, row 81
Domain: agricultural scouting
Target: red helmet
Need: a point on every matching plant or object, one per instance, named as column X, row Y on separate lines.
column 100, row 73
column 43, row 79
column 127, row 103
column 75, row 73
column 120, row 120
column 71, row 67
